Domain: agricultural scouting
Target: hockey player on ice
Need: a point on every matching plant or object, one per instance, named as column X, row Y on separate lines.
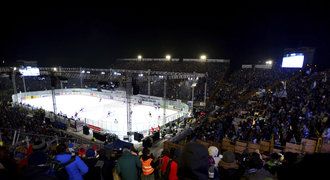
column 116, row 121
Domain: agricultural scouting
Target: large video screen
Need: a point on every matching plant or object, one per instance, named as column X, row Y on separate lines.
column 293, row 60
column 29, row 71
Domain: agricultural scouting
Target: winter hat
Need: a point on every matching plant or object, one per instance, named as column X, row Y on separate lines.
column 194, row 162
column 70, row 145
column 213, row 151
column 228, row 161
column 90, row 153
column 228, row 157
column 81, row 152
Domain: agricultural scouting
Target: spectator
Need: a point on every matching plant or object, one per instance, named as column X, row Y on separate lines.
column 228, row 167
column 148, row 165
column 163, row 162
column 37, row 167
column 255, row 169
column 172, row 165
column 213, row 156
column 76, row 169
column 128, row 165
column 108, row 166
column 90, row 160
column 193, row 162
column 274, row 163
column 213, row 161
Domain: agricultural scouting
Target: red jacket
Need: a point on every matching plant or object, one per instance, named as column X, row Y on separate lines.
column 173, row 171
column 164, row 162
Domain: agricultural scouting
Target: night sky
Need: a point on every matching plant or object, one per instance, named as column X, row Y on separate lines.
column 94, row 36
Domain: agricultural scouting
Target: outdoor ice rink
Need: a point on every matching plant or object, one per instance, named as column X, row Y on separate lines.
column 104, row 113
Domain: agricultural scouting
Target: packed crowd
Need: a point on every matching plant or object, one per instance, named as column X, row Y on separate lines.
column 296, row 108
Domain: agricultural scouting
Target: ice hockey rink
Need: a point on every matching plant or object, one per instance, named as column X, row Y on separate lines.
column 104, row 113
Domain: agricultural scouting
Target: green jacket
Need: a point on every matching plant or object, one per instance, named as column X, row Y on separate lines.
column 128, row 166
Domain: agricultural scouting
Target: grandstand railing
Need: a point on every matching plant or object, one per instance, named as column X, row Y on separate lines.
column 307, row 146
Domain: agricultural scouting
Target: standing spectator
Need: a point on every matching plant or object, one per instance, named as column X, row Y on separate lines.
column 213, row 156
column 213, row 161
column 90, row 161
column 194, row 162
column 128, row 165
column 108, row 165
column 172, row 166
column 163, row 162
column 76, row 169
column 228, row 168
column 148, row 165
column 37, row 167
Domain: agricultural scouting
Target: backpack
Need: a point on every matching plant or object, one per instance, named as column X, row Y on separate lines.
column 58, row 169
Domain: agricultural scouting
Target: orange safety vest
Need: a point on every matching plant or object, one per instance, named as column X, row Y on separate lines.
column 146, row 167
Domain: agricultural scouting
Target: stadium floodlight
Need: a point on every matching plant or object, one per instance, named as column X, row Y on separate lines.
column 117, row 74
column 88, row 72
column 269, row 62
column 83, row 71
column 194, row 84
column 203, row 57
column 102, row 72
column 15, row 68
column 168, row 57
column 54, row 69
column 139, row 57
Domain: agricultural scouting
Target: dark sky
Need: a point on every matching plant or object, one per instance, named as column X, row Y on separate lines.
column 96, row 35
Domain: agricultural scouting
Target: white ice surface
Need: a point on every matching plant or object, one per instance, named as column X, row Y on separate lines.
column 96, row 112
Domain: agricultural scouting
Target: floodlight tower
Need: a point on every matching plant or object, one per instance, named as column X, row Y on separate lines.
column 164, row 100
column 13, row 76
column 128, row 103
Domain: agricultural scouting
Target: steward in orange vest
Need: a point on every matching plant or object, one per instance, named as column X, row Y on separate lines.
column 148, row 165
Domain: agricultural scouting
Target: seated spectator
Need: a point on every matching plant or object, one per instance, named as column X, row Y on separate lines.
column 76, row 169
column 193, row 162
